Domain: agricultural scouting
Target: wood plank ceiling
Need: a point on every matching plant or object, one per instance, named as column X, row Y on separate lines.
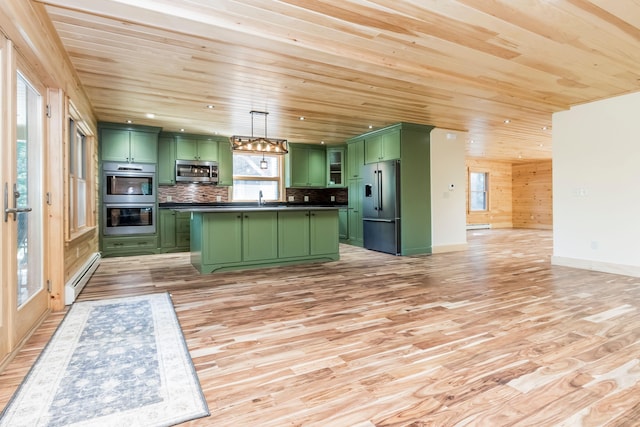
column 345, row 65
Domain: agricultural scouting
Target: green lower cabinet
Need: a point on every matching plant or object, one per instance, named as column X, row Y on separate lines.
column 293, row 233
column 167, row 228
column 259, row 236
column 343, row 224
column 129, row 245
column 221, row 238
column 173, row 231
column 238, row 240
column 323, row 227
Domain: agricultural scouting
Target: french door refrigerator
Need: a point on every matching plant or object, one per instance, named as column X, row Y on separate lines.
column 381, row 206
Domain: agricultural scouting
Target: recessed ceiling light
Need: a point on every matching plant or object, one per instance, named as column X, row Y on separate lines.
column 209, row 106
column 507, row 121
column 321, row 142
column 129, row 121
column 472, row 141
column 370, row 126
column 301, row 118
column 150, row 115
column 544, row 128
column 181, row 130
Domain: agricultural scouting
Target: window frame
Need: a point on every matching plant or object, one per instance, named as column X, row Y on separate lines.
column 76, row 125
column 279, row 179
column 485, row 191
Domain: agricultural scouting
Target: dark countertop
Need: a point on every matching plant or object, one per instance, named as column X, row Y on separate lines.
column 246, row 206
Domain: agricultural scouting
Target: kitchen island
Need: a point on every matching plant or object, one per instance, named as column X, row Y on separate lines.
column 241, row 237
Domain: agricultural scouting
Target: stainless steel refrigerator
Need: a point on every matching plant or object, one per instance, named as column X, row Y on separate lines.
column 381, row 206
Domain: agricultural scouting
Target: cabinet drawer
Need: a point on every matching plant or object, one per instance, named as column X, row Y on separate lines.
column 142, row 242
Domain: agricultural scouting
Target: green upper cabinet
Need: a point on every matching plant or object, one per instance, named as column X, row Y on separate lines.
column 126, row 143
column 166, row 160
column 382, row 146
column 196, row 148
column 355, row 157
column 306, row 166
column 336, row 167
column 225, row 163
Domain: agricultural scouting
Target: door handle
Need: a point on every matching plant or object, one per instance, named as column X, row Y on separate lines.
column 15, row 209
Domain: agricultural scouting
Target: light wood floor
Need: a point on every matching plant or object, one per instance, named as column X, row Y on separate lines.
column 492, row 336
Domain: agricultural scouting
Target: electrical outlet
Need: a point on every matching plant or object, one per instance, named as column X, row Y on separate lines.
column 333, row 198
column 292, row 198
column 218, row 198
column 306, row 198
column 169, row 198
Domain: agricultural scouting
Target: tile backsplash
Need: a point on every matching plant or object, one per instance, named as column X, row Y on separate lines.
column 198, row 193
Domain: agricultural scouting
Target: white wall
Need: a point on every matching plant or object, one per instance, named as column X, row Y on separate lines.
column 596, row 186
column 448, row 205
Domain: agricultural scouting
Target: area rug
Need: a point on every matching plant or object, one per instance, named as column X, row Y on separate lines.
column 117, row 362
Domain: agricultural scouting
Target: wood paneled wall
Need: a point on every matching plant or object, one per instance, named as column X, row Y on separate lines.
column 532, row 195
column 520, row 194
column 500, row 211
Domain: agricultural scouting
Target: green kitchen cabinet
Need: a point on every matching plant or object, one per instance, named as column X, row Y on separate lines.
column 225, row 163
column 259, row 235
column 183, row 229
column 411, row 143
column 166, row 160
column 306, row 166
column 237, row 237
column 173, row 230
column 323, row 237
column 293, row 233
column 268, row 236
column 354, row 211
column 343, row 224
column 129, row 144
column 129, row 245
column 196, row 148
column 355, row 157
column 307, row 233
column 336, row 167
column 221, row 238
column 382, row 146
column 167, row 228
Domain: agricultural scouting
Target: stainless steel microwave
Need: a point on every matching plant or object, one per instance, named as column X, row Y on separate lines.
column 197, row 171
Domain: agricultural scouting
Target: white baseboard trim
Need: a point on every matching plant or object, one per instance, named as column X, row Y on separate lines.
column 439, row 249
column 478, row 226
column 73, row 287
column 604, row 267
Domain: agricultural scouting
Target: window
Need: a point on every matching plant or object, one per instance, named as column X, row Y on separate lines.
column 80, row 170
column 249, row 178
column 478, row 191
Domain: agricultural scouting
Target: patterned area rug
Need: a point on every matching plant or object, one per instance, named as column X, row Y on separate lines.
column 117, row 362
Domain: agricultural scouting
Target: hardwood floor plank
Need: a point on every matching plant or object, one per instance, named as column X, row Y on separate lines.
column 491, row 336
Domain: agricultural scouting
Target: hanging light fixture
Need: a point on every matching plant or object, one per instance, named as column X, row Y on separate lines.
column 262, row 144
column 263, row 163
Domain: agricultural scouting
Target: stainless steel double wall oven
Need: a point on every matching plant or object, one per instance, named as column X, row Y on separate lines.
column 129, row 198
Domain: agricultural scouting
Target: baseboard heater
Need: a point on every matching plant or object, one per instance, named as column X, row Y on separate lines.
column 478, row 226
column 77, row 282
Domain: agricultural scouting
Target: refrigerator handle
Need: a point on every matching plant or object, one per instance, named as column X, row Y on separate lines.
column 380, row 189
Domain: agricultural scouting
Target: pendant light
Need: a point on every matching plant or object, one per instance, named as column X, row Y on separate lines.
column 261, row 144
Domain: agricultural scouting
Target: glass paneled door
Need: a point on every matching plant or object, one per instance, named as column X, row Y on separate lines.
column 27, row 295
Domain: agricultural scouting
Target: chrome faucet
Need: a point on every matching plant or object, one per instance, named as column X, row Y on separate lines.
column 260, row 202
